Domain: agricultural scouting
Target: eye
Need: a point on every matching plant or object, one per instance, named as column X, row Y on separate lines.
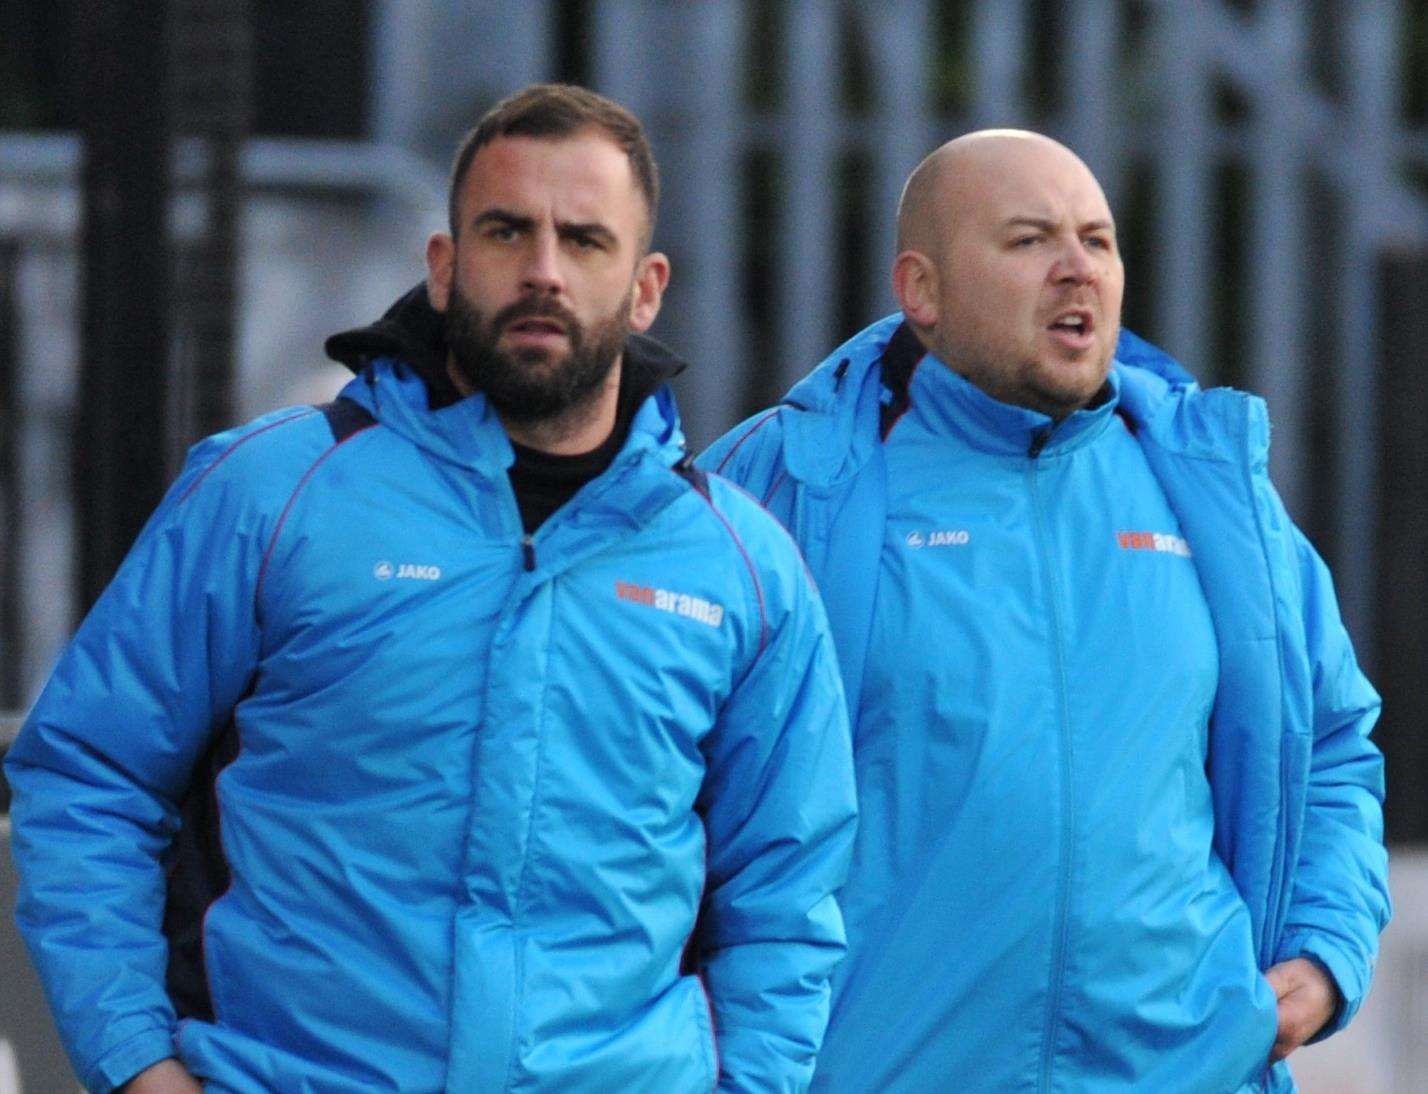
column 1099, row 242
column 501, row 233
column 586, row 243
column 1026, row 241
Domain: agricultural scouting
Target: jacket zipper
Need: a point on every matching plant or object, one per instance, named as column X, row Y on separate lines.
column 1068, row 820
column 619, row 465
column 1278, row 883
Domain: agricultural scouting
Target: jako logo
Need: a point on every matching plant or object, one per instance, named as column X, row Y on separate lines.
column 1163, row 542
column 691, row 607
column 948, row 537
column 407, row 571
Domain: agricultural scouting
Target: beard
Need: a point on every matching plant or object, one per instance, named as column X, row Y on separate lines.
column 1047, row 384
column 533, row 384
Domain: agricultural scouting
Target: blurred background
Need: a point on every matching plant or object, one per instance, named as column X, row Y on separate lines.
column 194, row 193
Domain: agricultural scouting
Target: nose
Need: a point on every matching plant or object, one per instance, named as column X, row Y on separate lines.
column 1075, row 264
column 542, row 274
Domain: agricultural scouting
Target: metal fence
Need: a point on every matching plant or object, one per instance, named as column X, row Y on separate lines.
column 317, row 230
column 1260, row 157
column 1267, row 161
column 1136, row 90
column 1281, row 123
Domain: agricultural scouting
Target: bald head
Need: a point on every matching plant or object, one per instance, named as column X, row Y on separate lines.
column 1008, row 269
column 962, row 171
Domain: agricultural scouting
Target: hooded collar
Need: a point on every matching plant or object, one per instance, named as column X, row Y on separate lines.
column 954, row 407
column 400, row 362
column 413, row 332
column 841, row 400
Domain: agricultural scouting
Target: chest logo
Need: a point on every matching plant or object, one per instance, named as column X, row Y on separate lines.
column 666, row 600
column 942, row 537
column 1162, row 542
column 405, row 571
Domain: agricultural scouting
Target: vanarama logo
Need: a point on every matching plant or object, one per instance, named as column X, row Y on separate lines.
column 406, row 571
column 1163, row 542
column 691, row 607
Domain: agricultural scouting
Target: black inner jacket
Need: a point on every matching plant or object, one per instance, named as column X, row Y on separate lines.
column 411, row 330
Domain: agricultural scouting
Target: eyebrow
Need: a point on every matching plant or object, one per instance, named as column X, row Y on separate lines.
column 570, row 229
column 566, row 229
column 503, row 217
column 1045, row 225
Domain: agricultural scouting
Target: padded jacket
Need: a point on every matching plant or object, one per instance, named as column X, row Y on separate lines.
column 472, row 790
column 1295, row 783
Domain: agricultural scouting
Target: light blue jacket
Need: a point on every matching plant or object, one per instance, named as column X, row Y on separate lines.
column 1296, row 783
column 483, row 783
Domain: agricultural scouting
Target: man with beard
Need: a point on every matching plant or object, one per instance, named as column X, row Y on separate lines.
column 419, row 730
column 1120, row 816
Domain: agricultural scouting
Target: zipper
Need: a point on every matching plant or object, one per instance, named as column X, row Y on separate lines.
column 1068, row 820
column 1255, row 434
column 608, row 479
column 1038, row 441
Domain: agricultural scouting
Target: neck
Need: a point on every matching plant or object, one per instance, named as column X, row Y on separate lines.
column 576, row 430
column 986, row 382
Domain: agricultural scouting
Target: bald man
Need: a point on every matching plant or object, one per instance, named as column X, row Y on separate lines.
column 1120, row 815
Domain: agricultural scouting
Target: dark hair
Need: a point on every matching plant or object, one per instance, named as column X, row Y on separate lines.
column 560, row 110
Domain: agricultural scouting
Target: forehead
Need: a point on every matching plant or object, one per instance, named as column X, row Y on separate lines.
column 583, row 178
column 1041, row 182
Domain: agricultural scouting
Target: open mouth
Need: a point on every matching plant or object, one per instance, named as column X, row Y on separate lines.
column 1074, row 321
column 536, row 325
column 1073, row 330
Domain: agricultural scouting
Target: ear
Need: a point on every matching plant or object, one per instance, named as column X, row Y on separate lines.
column 651, row 277
column 914, row 279
column 440, row 265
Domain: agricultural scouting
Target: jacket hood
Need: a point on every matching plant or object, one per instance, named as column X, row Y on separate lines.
column 414, row 332
column 400, row 361
column 1160, row 397
column 845, row 390
column 411, row 330
column 1133, row 351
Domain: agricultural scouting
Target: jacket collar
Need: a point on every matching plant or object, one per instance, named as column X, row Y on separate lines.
column 468, row 433
column 413, row 332
column 842, row 398
column 837, row 429
column 956, row 408
column 1163, row 403
column 400, row 362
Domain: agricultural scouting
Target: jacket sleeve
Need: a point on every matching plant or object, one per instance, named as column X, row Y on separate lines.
column 107, row 751
column 778, row 805
column 1340, row 901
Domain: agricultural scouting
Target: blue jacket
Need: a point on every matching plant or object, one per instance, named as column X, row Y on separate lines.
column 1296, row 785
column 476, row 786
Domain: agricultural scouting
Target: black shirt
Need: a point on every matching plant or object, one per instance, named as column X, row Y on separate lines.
column 544, row 482
column 411, row 331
